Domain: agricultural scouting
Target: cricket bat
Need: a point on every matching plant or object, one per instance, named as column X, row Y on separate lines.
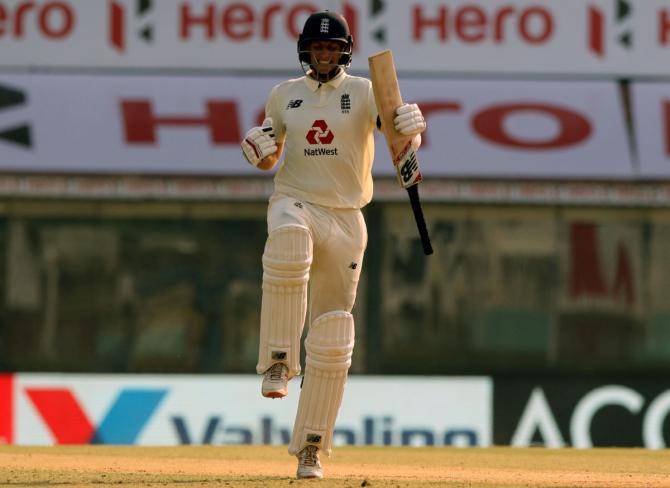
column 387, row 97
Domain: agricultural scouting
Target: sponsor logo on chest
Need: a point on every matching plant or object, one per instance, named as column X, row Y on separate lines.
column 320, row 135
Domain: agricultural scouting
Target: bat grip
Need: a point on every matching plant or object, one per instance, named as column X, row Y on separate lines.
column 413, row 192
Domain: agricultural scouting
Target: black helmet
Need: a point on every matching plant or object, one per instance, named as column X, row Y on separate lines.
column 325, row 26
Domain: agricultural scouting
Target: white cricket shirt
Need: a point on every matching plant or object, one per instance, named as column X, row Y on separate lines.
column 328, row 132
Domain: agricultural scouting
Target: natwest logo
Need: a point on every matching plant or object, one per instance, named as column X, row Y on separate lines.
column 320, row 133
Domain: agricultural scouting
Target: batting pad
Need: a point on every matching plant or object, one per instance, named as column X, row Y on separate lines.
column 286, row 262
column 329, row 344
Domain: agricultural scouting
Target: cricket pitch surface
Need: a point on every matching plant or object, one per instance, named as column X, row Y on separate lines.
column 271, row 466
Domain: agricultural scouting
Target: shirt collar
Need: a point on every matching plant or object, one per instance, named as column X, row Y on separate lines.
column 314, row 85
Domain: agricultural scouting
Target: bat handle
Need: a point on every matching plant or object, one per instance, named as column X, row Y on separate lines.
column 413, row 192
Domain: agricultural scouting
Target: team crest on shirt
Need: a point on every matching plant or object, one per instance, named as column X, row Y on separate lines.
column 345, row 103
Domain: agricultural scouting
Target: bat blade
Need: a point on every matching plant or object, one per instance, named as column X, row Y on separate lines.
column 387, row 98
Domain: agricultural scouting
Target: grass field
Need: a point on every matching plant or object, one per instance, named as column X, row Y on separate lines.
column 270, row 466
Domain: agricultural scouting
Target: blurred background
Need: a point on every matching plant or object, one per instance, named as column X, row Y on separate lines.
column 132, row 228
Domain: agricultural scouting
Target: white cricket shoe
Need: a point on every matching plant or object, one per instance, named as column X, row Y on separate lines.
column 275, row 381
column 309, row 465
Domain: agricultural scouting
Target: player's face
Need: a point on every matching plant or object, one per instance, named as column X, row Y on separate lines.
column 325, row 55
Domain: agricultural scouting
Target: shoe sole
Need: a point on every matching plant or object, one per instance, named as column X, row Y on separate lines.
column 274, row 394
column 309, row 477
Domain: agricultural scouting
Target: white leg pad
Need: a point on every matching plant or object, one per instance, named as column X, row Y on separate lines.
column 328, row 345
column 286, row 262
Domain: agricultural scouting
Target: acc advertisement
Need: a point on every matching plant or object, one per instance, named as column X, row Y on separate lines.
column 193, row 126
column 170, row 410
column 623, row 37
column 582, row 413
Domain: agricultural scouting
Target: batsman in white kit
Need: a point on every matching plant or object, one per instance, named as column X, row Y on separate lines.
column 324, row 125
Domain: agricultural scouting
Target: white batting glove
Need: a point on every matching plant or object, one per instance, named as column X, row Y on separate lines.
column 259, row 143
column 409, row 120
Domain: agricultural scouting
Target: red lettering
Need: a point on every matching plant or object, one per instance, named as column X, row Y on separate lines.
column 117, row 32
column 21, row 11
column 597, row 35
column 546, row 25
column 238, row 20
column 586, row 277
column 471, row 24
column 267, row 19
column 663, row 27
column 420, row 22
column 489, row 124
column 187, row 20
column 67, row 20
column 499, row 30
column 140, row 123
column 295, row 28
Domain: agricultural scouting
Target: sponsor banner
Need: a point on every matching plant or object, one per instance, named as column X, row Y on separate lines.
column 171, row 410
column 651, row 116
column 6, row 409
column 582, row 413
column 193, row 125
column 527, row 36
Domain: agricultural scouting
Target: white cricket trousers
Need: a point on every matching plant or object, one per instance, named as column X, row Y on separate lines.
column 313, row 255
column 339, row 239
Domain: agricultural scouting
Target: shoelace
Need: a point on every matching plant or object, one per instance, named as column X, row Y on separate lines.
column 277, row 372
column 310, row 457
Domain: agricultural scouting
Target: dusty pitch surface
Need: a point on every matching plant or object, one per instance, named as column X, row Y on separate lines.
column 270, row 466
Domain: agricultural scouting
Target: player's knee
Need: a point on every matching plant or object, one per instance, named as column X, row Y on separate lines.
column 288, row 254
column 330, row 341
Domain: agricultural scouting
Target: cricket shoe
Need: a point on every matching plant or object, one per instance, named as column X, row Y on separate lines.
column 309, row 465
column 275, row 381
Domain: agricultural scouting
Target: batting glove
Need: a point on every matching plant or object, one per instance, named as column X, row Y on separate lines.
column 409, row 120
column 259, row 143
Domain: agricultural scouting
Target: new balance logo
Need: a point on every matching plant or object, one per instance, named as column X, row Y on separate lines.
column 293, row 104
column 353, row 265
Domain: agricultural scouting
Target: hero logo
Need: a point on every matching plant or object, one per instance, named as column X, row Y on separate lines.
column 68, row 423
column 623, row 31
column 117, row 23
column 320, row 133
column 53, row 20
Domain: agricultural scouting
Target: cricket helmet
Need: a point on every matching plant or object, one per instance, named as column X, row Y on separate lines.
column 326, row 26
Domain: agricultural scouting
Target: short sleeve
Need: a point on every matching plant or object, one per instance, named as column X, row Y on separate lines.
column 271, row 110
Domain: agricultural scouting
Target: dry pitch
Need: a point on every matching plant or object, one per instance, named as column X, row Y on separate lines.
column 270, row 466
